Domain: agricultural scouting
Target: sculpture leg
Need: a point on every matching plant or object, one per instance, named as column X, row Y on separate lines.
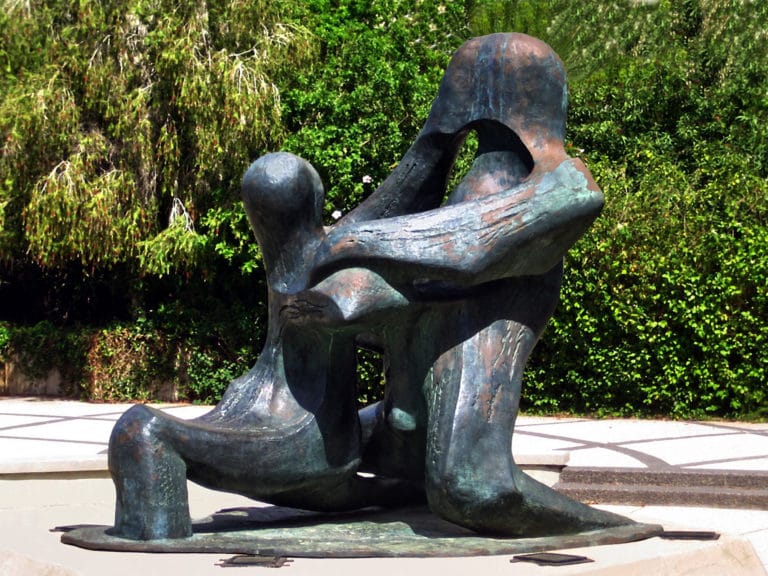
column 152, row 454
column 470, row 479
column 150, row 480
column 471, row 476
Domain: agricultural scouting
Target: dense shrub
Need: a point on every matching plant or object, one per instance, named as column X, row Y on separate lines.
column 171, row 353
column 40, row 348
column 126, row 127
column 664, row 306
column 355, row 112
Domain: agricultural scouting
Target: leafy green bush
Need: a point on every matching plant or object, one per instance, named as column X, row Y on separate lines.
column 663, row 311
column 42, row 347
column 355, row 112
column 126, row 127
column 209, row 375
column 130, row 363
column 5, row 338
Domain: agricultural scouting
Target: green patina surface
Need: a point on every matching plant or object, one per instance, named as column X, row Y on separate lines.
column 274, row 531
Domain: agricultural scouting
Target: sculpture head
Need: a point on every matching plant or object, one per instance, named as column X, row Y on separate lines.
column 283, row 195
column 513, row 79
column 283, row 198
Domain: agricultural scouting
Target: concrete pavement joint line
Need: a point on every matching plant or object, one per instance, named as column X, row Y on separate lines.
column 558, row 422
column 647, row 459
column 756, row 432
column 55, row 420
column 651, row 439
column 675, row 438
column 586, row 444
column 96, row 416
column 52, row 422
column 32, row 438
column 722, row 460
column 727, row 426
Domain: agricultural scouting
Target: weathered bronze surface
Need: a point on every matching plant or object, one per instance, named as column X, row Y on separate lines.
column 454, row 286
column 406, row 532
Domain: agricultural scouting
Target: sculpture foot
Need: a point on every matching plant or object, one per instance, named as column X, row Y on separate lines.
column 521, row 506
column 155, row 525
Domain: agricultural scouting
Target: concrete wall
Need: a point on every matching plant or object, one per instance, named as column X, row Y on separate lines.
column 15, row 382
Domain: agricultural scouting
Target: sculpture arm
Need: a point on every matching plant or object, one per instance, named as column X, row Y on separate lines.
column 522, row 231
column 418, row 182
column 348, row 297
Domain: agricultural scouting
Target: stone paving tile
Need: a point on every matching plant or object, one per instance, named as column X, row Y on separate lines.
column 525, row 421
column 755, row 427
column 525, row 443
column 9, row 421
column 73, row 430
column 655, row 444
column 730, row 448
column 47, row 433
column 59, row 408
column 15, row 449
column 32, row 428
column 620, row 431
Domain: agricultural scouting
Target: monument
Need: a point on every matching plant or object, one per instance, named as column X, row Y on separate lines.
column 453, row 286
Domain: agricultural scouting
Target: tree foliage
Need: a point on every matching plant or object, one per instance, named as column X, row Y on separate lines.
column 127, row 127
column 664, row 306
column 355, row 112
column 127, row 124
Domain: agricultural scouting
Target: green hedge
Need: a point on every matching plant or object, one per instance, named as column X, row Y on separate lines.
column 664, row 309
column 119, row 217
column 171, row 353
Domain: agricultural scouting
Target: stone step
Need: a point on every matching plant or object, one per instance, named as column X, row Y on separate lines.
column 711, row 488
column 669, row 477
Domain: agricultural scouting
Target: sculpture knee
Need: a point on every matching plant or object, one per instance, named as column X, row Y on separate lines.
column 150, row 479
column 141, row 444
column 133, row 434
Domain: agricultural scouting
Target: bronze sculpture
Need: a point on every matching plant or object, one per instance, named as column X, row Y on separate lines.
column 455, row 288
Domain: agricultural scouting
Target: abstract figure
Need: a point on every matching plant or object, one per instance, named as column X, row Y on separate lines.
column 455, row 288
column 286, row 432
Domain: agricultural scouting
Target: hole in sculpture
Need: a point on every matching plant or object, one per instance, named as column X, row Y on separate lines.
column 370, row 376
column 463, row 163
column 491, row 158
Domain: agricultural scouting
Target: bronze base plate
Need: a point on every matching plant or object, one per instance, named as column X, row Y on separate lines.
column 276, row 531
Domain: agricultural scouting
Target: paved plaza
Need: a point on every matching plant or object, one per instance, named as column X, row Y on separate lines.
column 53, row 473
